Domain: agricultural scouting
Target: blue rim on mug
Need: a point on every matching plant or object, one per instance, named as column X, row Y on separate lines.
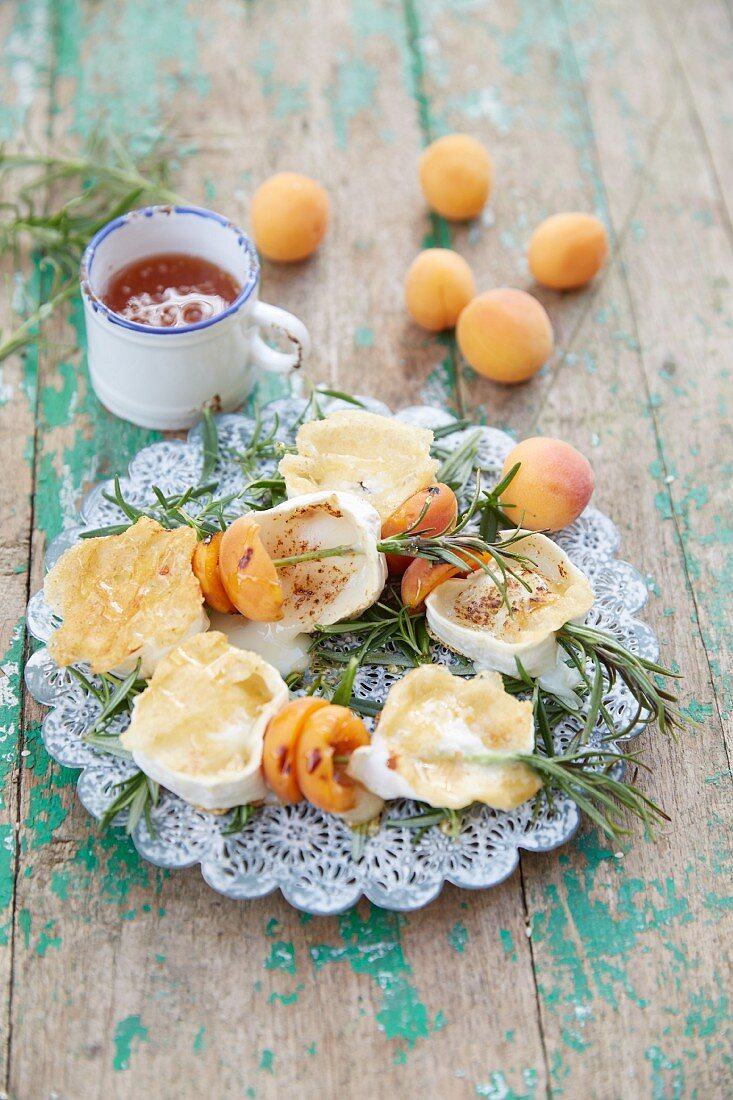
column 148, row 211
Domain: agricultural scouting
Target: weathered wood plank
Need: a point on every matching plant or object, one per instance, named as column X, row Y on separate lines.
column 703, row 51
column 179, row 963
column 25, row 38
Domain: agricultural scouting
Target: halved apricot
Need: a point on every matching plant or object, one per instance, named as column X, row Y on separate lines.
column 280, row 747
column 247, row 572
column 332, row 731
column 440, row 514
column 206, row 569
column 423, row 576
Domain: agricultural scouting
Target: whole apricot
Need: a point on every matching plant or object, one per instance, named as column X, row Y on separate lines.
column 553, row 485
column 456, row 176
column 568, row 250
column 289, row 216
column 505, row 335
column 438, row 285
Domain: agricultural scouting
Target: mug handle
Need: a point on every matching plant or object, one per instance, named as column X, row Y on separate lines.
column 272, row 317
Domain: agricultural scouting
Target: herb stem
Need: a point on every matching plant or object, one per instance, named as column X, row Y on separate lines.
column 314, row 555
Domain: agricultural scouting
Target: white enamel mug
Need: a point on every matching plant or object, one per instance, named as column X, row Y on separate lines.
column 161, row 377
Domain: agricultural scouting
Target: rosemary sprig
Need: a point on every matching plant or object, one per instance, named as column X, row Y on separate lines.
column 589, row 776
column 383, row 628
column 493, row 517
column 116, row 695
column 139, row 795
column 261, row 447
column 450, row 429
column 313, row 555
column 210, row 514
column 90, row 189
column 313, row 406
column 611, row 660
column 465, row 548
column 447, row 819
column 458, row 465
column 240, row 816
column 345, row 687
column 210, row 442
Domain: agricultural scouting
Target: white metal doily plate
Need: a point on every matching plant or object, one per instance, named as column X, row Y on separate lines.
column 298, row 849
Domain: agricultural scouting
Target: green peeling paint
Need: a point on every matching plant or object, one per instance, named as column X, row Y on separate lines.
column 351, row 92
column 282, row 957
column 497, row 1088
column 373, row 946
column 458, row 937
column 10, row 703
column 364, row 337
column 127, row 43
column 507, row 942
column 129, row 1034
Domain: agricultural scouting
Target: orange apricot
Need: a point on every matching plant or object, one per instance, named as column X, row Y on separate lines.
column 568, row 250
column 289, row 216
column 438, row 285
column 247, row 572
column 423, row 576
column 280, row 747
column 553, row 485
column 206, row 568
column 440, row 514
column 333, row 731
column 505, row 335
column 456, row 176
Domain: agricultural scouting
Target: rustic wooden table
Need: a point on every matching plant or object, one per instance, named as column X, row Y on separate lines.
column 590, row 973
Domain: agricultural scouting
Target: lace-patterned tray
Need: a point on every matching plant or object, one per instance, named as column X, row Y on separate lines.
column 298, row 849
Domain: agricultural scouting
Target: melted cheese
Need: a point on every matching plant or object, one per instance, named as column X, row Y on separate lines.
column 469, row 615
column 431, row 726
column 329, row 589
column 284, row 647
column 198, row 728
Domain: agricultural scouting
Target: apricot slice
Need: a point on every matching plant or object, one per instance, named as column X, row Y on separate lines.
column 422, row 576
column 332, row 731
column 441, row 512
column 280, row 747
column 247, row 572
column 206, row 568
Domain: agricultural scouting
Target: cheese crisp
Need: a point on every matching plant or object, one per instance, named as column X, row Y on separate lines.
column 125, row 597
column 375, row 457
column 440, row 739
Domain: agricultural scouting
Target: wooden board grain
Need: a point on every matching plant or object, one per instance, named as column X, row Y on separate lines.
column 25, row 52
column 129, row 980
